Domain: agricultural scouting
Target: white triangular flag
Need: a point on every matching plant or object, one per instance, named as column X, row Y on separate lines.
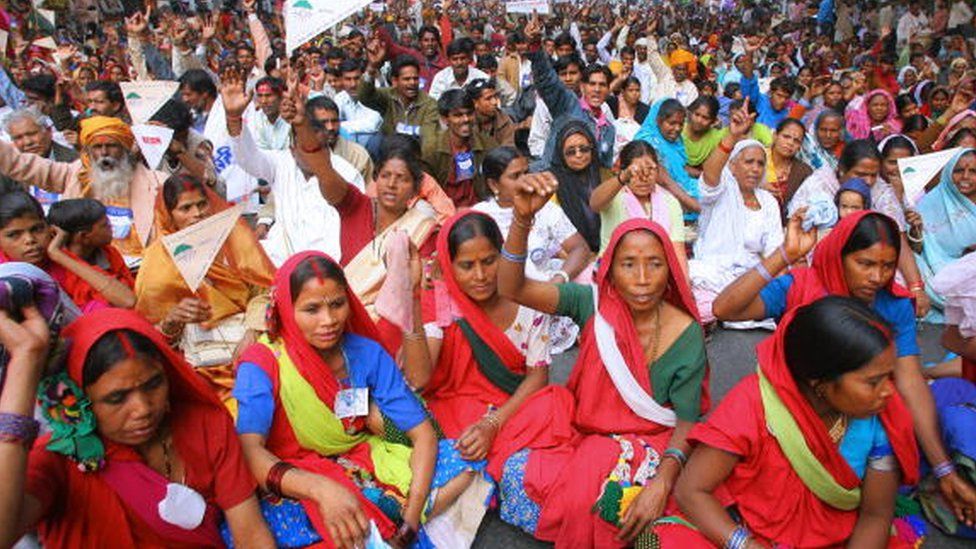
column 306, row 19
column 46, row 42
column 4, row 36
column 194, row 248
column 917, row 171
column 153, row 141
column 144, row 97
column 48, row 15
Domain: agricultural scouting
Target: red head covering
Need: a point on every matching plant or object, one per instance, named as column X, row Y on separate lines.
column 895, row 417
column 471, row 311
column 596, row 395
column 826, row 276
column 184, row 384
column 282, row 324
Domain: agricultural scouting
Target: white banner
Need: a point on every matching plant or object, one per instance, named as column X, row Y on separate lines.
column 917, row 171
column 527, row 6
column 306, row 19
column 194, row 248
column 153, row 141
column 144, row 97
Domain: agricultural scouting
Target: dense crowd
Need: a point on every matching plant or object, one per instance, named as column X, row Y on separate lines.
column 256, row 293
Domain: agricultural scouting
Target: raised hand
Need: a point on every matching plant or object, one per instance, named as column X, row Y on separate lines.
column 798, row 243
column 233, row 94
column 741, row 121
column 533, row 30
column 209, row 28
column 534, row 190
column 250, row 6
column 375, row 53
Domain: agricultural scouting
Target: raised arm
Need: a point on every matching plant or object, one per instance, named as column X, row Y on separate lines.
column 316, row 157
column 533, row 193
column 262, row 44
column 48, row 174
column 557, row 97
column 367, row 93
column 739, row 123
column 247, row 155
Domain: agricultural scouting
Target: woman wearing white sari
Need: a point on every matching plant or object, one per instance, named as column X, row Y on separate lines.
column 740, row 222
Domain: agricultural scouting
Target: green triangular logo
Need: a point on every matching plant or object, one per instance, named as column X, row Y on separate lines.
column 182, row 248
column 133, row 95
column 910, row 170
column 305, row 4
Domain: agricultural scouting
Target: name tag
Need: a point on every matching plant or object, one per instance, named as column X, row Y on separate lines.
column 463, row 166
column 352, row 402
column 403, row 128
column 121, row 221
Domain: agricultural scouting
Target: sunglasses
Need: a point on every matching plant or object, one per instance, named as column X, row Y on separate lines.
column 578, row 151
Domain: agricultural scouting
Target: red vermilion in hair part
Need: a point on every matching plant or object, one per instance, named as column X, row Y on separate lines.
column 317, row 270
column 130, row 351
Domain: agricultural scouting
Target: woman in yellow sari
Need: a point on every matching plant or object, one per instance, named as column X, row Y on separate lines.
column 210, row 324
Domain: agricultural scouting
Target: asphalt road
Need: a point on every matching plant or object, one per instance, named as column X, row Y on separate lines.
column 731, row 356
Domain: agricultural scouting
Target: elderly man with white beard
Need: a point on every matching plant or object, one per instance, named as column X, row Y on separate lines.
column 109, row 170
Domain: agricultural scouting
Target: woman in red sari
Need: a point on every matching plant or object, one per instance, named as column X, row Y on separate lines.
column 813, row 448
column 491, row 360
column 142, row 453
column 639, row 385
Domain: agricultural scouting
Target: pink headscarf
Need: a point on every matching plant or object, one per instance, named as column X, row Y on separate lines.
column 950, row 129
column 859, row 122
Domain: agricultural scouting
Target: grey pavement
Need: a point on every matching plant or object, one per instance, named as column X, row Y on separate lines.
column 731, row 356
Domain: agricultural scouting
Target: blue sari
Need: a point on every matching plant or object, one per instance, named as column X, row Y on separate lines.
column 671, row 153
column 950, row 228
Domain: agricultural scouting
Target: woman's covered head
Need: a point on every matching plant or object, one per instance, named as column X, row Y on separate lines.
column 639, row 270
column 399, row 172
column 870, row 256
column 748, row 164
column 125, row 379
column 829, row 128
column 474, row 245
column 501, row 169
column 853, row 196
column 879, row 106
column 576, row 147
column 319, row 296
column 840, row 351
column 964, row 174
column 860, row 158
column 186, row 200
column 24, row 234
column 671, row 119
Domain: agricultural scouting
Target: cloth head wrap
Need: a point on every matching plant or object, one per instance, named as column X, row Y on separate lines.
column 106, row 126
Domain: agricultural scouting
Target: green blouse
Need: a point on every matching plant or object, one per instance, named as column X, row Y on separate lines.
column 677, row 376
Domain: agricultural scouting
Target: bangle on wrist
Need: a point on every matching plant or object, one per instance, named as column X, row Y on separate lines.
column 561, row 273
column 917, row 286
column 18, row 429
column 725, row 148
column 414, row 336
column 943, row 469
column 763, row 272
column 786, row 258
column 677, row 455
column 272, row 483
column 514, row 258
column 527, row 225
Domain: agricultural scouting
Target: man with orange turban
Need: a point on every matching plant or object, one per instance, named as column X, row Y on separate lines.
column 109, row 170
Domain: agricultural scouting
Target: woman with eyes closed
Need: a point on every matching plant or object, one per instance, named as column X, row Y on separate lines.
column 312, row 394
column 638, row 386
column 141, row 454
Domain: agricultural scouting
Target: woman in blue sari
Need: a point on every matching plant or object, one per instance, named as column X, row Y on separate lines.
column 949, row 215
column 662, row 129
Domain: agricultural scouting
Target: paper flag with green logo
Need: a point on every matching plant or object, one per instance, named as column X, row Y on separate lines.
column 306, row 19
column 194, row 248
column 917, row 171
column 144, row 97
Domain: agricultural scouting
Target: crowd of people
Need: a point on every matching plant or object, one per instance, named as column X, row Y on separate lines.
column 434, row 201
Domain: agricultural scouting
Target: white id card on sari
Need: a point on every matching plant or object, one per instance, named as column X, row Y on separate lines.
column 352, row 402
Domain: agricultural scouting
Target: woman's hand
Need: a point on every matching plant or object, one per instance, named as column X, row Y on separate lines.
column 642, row 169
column 28, row 339
column 645, row 509
column 476, row 440
column 914, row 220
column 57, row 242
column 342, row 514
column 534, row 190
column 741, row 121
column 961, row 496
column 188, row 311
column 798, row 243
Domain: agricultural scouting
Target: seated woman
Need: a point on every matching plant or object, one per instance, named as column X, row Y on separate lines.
column 214, row 323
column 700, row 136
column 305, row 391
column 784, row 171
column 813, row 448
column 367, row 222
column 635, row 194
column 558, row 250
column 628, row 110
column 740, row 221
column 491, row 358
column 25, row 236
column 638, row 386
column 949, row 214
column 142, row 454
column 857, row 259
column 662, row 129
column 875, row 117
column 823, row 145
column 83, row 233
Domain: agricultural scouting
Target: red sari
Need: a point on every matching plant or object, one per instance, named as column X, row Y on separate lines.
column 773, row 500
column 116, row 506
column 460, row 393
column 567, row 495
column 826, row 275
column 281, row 440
